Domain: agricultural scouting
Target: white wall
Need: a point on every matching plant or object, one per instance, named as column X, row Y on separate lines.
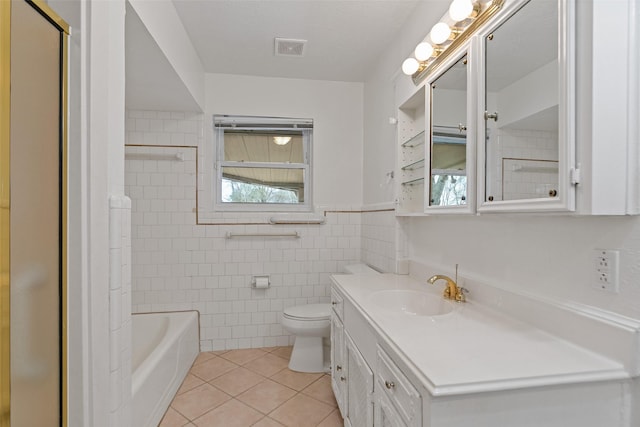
column 181, row 265
column 335, row 107
column 550, row 255
column 163, row 23
column 379, row 105
column 77, row 287
column 99, row 347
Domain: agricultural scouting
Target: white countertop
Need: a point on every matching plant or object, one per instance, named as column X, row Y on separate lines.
column 473, row 349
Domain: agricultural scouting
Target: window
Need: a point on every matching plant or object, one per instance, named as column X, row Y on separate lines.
column 263, row 163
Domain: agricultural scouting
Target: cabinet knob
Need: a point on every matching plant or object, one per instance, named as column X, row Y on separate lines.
column 338, row 368
column 491, row 116
column 343, row 379
column 334, row 303
column 389, row 384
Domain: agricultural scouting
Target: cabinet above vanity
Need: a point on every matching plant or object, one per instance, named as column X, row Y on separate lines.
column 533, row 108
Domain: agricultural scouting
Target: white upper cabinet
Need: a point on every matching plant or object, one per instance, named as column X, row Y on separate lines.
column 526, row 149
column 608, row 106
column 450, row 155
column 537, row 111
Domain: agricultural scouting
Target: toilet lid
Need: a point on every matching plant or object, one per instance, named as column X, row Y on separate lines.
column 309, row 311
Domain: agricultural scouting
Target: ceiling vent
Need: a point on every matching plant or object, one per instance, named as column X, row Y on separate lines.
column 289, row 47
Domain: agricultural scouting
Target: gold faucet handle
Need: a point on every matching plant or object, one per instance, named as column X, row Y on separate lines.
column 447, row 293
column 460, row 294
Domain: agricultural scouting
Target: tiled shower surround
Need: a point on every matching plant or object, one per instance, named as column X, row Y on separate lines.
column 181, row 265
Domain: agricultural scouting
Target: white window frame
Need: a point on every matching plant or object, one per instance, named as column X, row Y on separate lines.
column 222, row 122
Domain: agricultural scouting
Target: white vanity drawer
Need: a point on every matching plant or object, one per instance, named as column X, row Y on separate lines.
column 337, row 303
column 397, row 387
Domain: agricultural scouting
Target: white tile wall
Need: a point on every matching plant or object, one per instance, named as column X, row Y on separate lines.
column 379, row 239
column 119, row 313
column 179, row 265
column 522, row 144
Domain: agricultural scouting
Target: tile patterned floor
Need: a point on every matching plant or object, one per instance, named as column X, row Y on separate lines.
column 252, row 387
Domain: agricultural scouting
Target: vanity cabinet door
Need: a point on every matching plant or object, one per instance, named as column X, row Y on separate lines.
column 338, row 366
column 386, row 414
column 398, row 389
column 359, row 388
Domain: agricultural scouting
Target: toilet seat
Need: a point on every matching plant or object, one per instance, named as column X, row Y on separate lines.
column 308, row 312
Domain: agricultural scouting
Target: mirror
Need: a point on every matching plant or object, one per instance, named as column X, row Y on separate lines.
column 448, row 184
column 521, row 105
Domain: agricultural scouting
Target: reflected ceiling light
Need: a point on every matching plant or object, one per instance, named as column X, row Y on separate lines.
column 463, row 15
column 281, row 140
column 460, row 10
column 440, row 33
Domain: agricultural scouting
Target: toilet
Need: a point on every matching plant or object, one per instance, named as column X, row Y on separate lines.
column 310, row 324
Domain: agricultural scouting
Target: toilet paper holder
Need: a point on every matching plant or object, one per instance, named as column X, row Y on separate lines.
column 260, row 282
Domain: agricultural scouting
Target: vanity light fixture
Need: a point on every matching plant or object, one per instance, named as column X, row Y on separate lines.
column 423, row 52
column 410, row 66
column 462, row 19
column 461, row 10
column 281, row 140
column 440, row 33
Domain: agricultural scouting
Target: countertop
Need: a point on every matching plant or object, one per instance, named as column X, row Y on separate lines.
column 473, row 348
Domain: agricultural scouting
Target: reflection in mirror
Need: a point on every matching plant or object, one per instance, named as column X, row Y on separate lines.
column 521, row 105
column 449, row 137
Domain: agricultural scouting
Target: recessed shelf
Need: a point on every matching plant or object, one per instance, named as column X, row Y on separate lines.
column 418, row 181
column 414, row 141
column 413, row 166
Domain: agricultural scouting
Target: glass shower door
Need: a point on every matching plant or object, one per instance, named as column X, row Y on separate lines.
column 33, row 230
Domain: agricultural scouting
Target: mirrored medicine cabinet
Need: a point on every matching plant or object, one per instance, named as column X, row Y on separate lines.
column 450, row 148
column 498, row 133
column 525, row 146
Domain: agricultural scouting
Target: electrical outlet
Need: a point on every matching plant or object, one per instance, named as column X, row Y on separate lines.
column 606, row 270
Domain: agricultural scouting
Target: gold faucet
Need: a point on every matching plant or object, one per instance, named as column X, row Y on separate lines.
column 452, row 291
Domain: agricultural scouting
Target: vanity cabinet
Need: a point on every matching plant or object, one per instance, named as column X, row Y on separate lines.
column 338, row 365
column 359, row 393
column 478, row 366
column 398, row 402
column 351, row 376
column 367, row 397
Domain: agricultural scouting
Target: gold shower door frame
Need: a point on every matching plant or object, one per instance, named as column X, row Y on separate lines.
column 5, row 203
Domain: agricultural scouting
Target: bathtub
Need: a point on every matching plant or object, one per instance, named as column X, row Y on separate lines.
column 164, row 348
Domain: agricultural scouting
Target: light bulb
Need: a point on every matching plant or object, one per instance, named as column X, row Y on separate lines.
column 423, row 51
column 440, row 33
column 460, row 10
column 410, row 66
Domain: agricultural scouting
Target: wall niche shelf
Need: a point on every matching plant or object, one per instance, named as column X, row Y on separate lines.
column 414, row 141
column 412, row 145
column 417, row 181
column 418, row 164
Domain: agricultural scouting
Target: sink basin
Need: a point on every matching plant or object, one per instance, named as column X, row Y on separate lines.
column 413, row 303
